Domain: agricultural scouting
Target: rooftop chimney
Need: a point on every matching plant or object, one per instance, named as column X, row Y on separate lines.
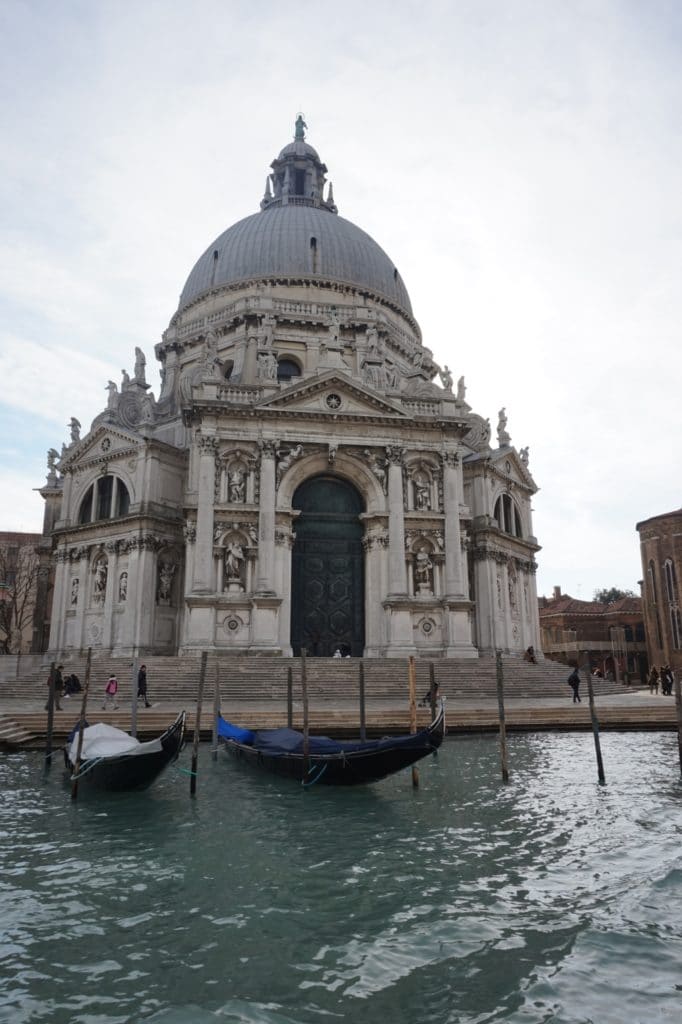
column 557, row 593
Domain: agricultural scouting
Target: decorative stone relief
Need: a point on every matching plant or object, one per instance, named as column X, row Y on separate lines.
column 285, row 459
column 189, row 531
column 377, row 466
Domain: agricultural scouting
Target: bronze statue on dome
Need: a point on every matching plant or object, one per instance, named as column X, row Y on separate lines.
column 300, row 128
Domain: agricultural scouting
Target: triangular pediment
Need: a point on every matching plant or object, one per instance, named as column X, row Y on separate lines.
column 508, row 462
column 102, row 443
column 332, row 394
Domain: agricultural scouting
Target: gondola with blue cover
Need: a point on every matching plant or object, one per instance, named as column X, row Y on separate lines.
column 327, row 761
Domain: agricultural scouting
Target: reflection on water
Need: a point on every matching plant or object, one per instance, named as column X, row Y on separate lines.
column 551, row 899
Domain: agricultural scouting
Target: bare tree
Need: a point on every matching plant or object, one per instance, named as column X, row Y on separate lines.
column 18, row 586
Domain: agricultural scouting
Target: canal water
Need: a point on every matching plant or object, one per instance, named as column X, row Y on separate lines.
column 552, row 899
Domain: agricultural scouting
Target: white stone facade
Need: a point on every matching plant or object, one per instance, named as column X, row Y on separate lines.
column 174, row 522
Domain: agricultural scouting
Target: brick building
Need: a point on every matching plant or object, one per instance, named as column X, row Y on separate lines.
column 611, row 634
column 661, row 548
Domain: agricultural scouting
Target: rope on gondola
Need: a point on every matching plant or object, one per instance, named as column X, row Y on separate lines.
column 89, row 765
column 185, row 771
column 321, row 770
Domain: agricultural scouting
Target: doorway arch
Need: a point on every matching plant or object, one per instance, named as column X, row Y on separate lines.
column 327, row 573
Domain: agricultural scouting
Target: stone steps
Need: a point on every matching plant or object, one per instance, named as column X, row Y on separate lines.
column 266, row 678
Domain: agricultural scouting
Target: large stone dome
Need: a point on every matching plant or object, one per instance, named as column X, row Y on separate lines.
column 291, row 241
column 297, row 235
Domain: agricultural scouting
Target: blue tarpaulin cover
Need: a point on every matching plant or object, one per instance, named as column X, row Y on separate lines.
column 289, row 741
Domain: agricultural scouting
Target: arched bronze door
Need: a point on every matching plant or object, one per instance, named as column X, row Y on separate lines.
column 327, row 587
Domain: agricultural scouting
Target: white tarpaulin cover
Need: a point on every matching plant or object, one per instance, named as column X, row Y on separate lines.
column 104, row 740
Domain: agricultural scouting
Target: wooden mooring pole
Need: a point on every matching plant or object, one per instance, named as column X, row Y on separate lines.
column 216, row 712
column 412, row 686
column 81, row 727
column 361, row 681
column 500, row 711
column 304, row 695
column 50, row 718
column 290, row 698
column 197, row 726
column 678, row 706
column 595, row 720
column 133, row 687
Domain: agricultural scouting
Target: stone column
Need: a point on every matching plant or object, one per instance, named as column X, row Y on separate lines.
column 203, row 581
column 397, row 571
column 453, row 540
column 79, row 625
column 58, row 623
column 142, row 593
column 266, row 518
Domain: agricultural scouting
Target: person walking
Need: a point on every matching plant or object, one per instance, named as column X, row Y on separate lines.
column 653, row 680
column 58, row 688
column 574, row 682
column 142, row 685
column 666, row 681
column 110, row 693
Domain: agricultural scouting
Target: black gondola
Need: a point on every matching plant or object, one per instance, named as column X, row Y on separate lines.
column 330, row 762
column 111, row 759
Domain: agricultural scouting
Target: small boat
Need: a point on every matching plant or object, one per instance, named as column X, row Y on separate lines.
column 112, row 759
column 330, row 762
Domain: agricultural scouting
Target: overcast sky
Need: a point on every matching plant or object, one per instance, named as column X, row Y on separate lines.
column 519, row 161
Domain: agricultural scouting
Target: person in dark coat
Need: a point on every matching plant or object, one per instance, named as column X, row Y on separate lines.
column 574, row 682
column 58, row 687
column 142, row 685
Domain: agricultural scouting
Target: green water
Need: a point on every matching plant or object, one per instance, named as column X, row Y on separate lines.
column 551, row 899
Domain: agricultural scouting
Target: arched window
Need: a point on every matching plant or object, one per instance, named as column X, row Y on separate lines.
column 287, row 368
column 670, row 580
column 653, row 600
column 107, row 498
column 676, row 627
column 507, row 515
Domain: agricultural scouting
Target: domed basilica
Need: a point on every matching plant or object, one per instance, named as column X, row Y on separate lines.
column 301, row 481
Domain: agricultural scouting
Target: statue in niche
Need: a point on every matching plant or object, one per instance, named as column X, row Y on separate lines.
column 446, row 378
column 123, row 587
column 422, row 498
column 140, row 363
column 511, row 586
column 113, row 394
column 101, row 571
column 461, row 390
column 423, row 571
column 75, row 584
column 390, row 375
column 125, row 380
column 236, row 486
column 166, row 574
column 75, row 429
column 234, row 560
column 52, row 457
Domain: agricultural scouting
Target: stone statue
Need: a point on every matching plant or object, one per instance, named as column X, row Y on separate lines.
column 446, row 378
column 390, row 375
column 125, row 379
column 140, row 363
column 461, row 390
column 123, row 586
column 166, row 574
column 267, row 366
column 417, row 359
column 235, row 487
column 52, row 457
column 300, row 128
column 423, row 571
column 378, row 467
column 503, row 437
column 372, row 337
column 286, row 458
column 234, row 557
column 422, row 499
column 334, row 329
column 523, row 455
column 75, row 428
column 113, row 394
column 101, row 571
column 75, row 584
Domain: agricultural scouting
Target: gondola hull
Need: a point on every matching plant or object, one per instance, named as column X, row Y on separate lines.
column 353, row 764
column 131, row 771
